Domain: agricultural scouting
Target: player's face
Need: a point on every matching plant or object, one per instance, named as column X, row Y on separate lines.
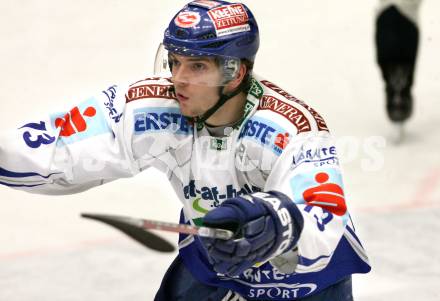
column 196, row 81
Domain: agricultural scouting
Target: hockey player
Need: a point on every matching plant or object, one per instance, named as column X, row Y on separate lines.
column 240, row 152
column 397, row 39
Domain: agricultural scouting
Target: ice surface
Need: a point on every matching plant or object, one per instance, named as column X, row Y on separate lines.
column 55, row 53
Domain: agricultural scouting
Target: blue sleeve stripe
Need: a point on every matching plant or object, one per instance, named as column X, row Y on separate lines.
column 307, row 262
column 351, row 231
column 13, row 174
column 20, row 185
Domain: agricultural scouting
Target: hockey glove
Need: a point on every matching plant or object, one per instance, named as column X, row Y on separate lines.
column 265, row 225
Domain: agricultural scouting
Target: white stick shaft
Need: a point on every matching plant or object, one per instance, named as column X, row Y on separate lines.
column 188, row 229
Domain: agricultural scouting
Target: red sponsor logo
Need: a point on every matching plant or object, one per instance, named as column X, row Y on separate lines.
column 187, row 19
column 287, row 110
column 322, row 126
column 228, row 17
column 74, row 121
column 281, row 140
column 150, row 91
column 329, row 196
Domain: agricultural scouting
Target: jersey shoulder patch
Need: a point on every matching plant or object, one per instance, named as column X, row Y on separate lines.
column 152, row 87
column 300, row 114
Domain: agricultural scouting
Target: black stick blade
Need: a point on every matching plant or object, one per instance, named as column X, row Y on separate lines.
column 144, row 237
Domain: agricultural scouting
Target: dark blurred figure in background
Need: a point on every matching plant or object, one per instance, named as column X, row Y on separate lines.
column 397, row 39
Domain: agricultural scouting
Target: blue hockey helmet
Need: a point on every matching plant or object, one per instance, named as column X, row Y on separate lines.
column 213, row 28
column 223, row 30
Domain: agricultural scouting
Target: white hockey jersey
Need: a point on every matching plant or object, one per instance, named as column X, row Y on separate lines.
column 280, row 144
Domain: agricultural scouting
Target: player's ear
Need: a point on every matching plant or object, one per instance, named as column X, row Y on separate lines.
column 233, row 84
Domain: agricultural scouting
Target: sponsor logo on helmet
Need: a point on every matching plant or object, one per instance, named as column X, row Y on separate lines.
column 229, row 19
column 187, row 19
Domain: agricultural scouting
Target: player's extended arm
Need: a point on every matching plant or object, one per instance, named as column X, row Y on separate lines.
column 69, row 151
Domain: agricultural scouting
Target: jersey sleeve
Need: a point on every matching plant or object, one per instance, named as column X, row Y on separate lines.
column 308, row 172
column 69, row 152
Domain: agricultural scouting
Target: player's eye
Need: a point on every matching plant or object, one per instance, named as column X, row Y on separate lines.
column 198, row 67
column 174, row 62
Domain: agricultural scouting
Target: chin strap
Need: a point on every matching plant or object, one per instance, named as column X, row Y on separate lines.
column 222, row 100
column 243, row 87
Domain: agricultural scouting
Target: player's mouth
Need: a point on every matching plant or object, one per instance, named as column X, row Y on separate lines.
column 181, row 98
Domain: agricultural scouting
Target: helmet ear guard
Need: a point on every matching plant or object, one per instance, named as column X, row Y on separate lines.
column 238, row 74
column 230, row 68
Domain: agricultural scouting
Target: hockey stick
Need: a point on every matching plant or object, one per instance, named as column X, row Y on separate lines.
column 136, row 228
column 129, row 227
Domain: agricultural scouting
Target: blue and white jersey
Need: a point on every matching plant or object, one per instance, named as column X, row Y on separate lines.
column 280, row 144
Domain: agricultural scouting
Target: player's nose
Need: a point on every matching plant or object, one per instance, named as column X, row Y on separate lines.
column 180, row 76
